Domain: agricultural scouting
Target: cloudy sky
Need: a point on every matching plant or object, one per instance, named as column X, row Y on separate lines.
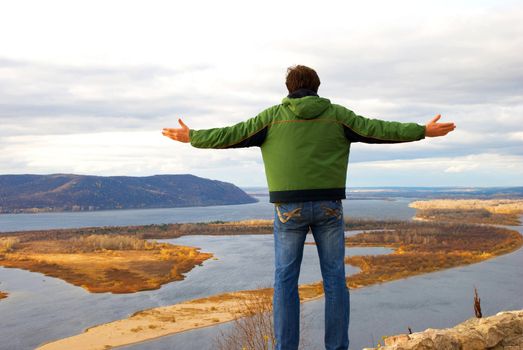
column 87, row 86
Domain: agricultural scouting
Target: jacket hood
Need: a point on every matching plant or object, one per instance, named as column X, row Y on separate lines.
column 308, row 107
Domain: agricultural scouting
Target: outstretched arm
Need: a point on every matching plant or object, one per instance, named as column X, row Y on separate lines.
column 361, row 129
column 251, row 132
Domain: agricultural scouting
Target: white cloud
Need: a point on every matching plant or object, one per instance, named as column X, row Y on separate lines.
column 474, row 170
column 459, row 168
column 124, row 153
column 83, row 86
column 518, row 136
column 463, row 163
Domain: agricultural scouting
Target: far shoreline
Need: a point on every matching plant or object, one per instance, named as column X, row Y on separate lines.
column 36, row 211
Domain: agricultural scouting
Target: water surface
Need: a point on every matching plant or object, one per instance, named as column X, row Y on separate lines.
column 377, row 209
column 435, row 300
column 41, row 308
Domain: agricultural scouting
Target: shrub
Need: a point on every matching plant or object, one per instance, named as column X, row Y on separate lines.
column 254, row 329
column 111, row 242
column 8, row 244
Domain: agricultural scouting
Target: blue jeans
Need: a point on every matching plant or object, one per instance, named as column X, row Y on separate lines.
column 291, row 224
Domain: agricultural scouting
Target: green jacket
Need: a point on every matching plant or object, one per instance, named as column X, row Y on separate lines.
column 305, row 144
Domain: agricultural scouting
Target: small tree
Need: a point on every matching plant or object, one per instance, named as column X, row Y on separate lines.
column 254, row 328
column 477, row 304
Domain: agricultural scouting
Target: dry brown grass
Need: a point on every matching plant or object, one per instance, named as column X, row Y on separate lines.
column 105, row 263
column 492, row 211
column 109, row 242
column 502, row 206
column 3, row 295
column 253, row 222
column 422, row 247
column 253, row 327
column 155, row 231
column 8, row 244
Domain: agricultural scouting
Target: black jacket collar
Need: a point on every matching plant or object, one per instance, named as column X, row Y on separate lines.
column 302, row 93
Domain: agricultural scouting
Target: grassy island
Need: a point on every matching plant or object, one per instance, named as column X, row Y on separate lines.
column 99, row 262
column 479, row 211
column 115, row 259
column 153, row 231
column 419, row 247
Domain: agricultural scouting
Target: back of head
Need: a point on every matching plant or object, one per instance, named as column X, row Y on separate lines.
column 301, row 77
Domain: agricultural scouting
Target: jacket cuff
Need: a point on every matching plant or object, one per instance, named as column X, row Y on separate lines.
column 424, row 130
column 191, row 136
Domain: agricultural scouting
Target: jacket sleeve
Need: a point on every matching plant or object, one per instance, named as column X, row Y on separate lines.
column 361, row 129
column 251, row 132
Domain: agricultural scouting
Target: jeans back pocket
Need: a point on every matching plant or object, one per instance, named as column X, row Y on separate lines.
column 288, row 211
column 332, row 209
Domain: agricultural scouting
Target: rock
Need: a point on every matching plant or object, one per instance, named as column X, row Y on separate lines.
column 419, row 344
column 503, row 331
column 492, row 335
column 396, row 339
column 445, row 342
column 497, row 347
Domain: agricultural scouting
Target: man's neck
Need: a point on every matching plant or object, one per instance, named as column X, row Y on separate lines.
column 302, row 93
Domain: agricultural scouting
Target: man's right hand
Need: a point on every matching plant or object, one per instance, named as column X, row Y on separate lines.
column 434, row 129
column 178, row 134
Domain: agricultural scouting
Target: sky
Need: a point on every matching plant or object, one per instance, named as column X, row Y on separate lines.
column 87, row 86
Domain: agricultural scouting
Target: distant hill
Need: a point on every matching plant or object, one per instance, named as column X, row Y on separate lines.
column 69, row 192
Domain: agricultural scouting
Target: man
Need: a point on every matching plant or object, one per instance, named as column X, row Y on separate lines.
column 305, row 144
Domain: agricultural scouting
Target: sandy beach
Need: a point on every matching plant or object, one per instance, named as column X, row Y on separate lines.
column 157, row 322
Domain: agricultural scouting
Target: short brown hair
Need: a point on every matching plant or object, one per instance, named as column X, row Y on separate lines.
column 302, row 77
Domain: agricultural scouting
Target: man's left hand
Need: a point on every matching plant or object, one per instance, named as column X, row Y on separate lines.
column 435, row 129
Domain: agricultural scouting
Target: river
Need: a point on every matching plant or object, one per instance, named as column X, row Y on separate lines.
column 377, row 209
column 41, row 308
